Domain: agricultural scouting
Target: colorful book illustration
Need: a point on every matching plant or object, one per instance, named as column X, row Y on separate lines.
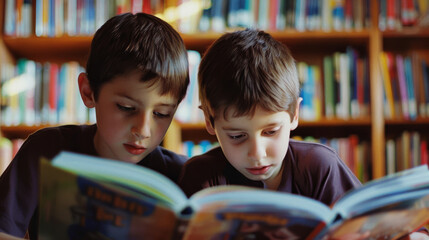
column 84, row 196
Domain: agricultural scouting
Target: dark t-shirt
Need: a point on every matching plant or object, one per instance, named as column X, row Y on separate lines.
column 309, row 169
column 19, row 183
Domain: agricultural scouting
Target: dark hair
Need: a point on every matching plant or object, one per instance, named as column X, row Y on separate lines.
column 141, row 42
column 245, row 69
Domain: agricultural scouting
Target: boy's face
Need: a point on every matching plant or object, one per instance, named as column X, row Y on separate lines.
column 255, row 145
column 132, row 118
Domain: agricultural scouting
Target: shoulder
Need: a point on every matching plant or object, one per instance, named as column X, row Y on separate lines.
column 63, row 132
column 49, row 141
column 313, row 155
column 303, row 149
column 319, row 172
column 75, row 138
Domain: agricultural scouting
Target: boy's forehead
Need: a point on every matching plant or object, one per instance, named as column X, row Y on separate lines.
column 232, row 112
column 132, row 84
column 260, row 118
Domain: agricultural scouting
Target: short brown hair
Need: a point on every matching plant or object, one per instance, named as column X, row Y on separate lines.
column 245, row 69
column 139, row 41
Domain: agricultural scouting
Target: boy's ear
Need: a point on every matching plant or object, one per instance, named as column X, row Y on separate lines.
column 85, row 91
column 209, row 125
column 294, row 123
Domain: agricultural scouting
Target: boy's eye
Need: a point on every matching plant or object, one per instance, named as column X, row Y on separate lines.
column 125, row 108
column 236, row 137
column 272, row 132
column 161, row 115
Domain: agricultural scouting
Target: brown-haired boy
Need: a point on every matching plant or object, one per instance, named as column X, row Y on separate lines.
column 136, row 76
column 249, row 93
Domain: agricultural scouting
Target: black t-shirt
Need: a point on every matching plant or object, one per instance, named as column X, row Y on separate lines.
column 19, row 184
column 309, row 169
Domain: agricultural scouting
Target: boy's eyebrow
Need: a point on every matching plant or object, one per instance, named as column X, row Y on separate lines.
column 167, row 105
column 272, row 124
column 162, row 104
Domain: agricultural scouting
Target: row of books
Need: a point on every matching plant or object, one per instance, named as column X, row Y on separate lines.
column 36, row 93
column 340, row 91
column 406, row 85
column 355, row 152
column 55, row 18
column 396, row 14
column 301, row 15
column 191, row 148
column 408, row 150
column 8, row 149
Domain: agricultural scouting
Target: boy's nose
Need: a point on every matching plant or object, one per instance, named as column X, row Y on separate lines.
column 256, row 149
column 141, row 128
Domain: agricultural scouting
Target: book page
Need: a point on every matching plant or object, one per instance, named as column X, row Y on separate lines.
column 241, row 213
column 380, row 191
column 383, row 225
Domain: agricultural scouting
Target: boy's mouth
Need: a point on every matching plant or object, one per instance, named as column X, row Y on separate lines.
column 133, row 149
column 258, row 170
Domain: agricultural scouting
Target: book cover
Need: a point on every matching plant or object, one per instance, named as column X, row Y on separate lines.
column 86, row 197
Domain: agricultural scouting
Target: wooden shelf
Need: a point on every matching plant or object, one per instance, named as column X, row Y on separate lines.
column 408, row 38
column 77, row 47
column 404, row 122
column 49, row 49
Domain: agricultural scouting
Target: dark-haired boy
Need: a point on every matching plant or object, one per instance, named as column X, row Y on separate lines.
column 136, row 76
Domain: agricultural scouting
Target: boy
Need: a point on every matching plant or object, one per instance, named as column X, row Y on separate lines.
column 249, row 92
column 136, row 75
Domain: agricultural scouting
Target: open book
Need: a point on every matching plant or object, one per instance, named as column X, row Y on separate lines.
column 84, row 197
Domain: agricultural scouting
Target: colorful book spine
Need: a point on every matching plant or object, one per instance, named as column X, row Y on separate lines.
column 328, row 69
column 412, row 104
column 390, row 113
column 402, row 86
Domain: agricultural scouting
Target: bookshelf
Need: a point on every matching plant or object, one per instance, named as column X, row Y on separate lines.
column 308, row 46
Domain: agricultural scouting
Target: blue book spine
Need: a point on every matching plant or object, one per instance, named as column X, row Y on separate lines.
column 51, row 19
column 412, row 105
column 10, row 18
